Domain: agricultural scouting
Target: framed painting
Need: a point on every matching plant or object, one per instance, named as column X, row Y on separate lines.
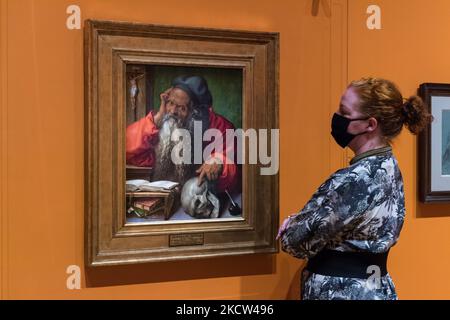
column 181, row 142
column 434, row 145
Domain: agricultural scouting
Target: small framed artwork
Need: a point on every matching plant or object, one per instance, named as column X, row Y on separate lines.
column 434, row 145
column 181, row 142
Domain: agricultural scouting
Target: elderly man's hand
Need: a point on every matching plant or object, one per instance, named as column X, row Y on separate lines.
column 211, row 171
column 162, row 107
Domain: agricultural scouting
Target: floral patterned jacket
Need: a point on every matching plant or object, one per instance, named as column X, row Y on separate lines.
column 360, row 208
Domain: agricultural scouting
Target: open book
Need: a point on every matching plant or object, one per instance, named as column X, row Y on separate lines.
column 144, row 185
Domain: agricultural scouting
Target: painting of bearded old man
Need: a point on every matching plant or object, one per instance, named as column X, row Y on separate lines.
column 148, row 144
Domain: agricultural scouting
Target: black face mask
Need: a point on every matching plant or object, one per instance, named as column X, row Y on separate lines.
column 339, row 126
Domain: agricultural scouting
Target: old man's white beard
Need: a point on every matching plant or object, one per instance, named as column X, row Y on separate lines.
column 165, row 168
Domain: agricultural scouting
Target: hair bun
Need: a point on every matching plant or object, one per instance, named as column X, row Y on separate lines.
column 406, row 107
column 416, row 117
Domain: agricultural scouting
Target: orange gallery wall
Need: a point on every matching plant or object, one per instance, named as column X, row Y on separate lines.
column 42, row 140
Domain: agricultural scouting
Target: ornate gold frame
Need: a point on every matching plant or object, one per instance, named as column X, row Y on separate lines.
column 109, row 46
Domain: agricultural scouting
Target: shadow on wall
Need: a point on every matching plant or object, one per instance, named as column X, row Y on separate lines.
column 286, row 285
column 180, row 270
column 432, row 210
column 293, row 291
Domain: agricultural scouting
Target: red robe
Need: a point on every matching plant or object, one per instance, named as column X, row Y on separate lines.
column 142, row 139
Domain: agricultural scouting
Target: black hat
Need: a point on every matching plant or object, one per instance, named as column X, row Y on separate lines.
column 196, row 87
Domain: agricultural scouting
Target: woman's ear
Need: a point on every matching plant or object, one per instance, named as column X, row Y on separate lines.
column 373, row 124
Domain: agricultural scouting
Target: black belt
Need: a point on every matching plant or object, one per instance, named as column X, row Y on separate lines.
column 360, row 265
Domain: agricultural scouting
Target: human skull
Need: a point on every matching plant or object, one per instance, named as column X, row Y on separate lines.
column 198, row 201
